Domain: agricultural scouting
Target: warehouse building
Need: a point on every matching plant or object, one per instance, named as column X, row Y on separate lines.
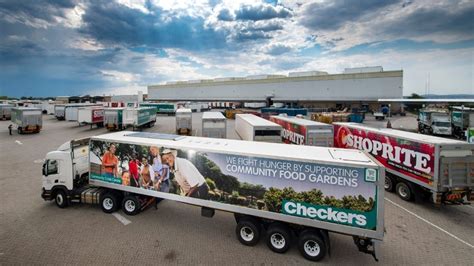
column 354, row 88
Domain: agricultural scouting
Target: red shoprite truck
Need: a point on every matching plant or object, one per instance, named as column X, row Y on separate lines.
column 416, row 164
column 276, row 191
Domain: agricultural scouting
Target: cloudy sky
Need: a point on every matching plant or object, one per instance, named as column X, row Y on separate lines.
column 72, row 47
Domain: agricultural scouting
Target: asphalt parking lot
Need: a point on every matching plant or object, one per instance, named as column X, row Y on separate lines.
column 33, row 231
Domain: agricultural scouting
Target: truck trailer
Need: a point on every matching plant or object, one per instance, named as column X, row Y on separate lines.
column 161, row 108
column 416, row 164
column 434, row 122
column 27, row 119
column 462, row 118
column 113, row 118
column 253, row 128
column 214, row 125
column 140, row 117
column 6, row 111
column 274, row 190
column 91, row 115
column 184, row 121
column 72, row 110
column 302, row 131
column 60, row 111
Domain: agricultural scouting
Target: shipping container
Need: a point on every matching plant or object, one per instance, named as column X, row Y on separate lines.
column 416, row 164
column 184, row 121
column 27, row 119
column 253, row 128
column 302, row 131
column 91, row 115
column 214, row 125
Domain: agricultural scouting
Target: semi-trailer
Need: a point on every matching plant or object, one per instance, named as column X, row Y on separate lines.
column 214, row 125
column 91, row 115
column 300, row 131
column 253, row 128
column 416, row 164
column 139, row 118
column 184, row 121
column 6, row 111
column 27, row 119
column 275, row 191
column 161, row 108
column 59, row 111
column 113, row 118
column 72, row 110
column 462, row 118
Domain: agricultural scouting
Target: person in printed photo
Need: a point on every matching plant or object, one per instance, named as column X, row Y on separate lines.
column 110, row 162
column 133, row 167
column 126, row 178
column 162, row 175
column 147, row 175
column 190, row 180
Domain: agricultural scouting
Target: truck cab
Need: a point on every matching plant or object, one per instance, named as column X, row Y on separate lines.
column 65, row 171
column 441, row 124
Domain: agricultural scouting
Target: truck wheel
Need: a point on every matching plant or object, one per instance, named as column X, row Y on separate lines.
column 311, row 246
column 404, row 191
column 109, row 203
column 130, row 205
column 61, row 199
column 20, row 130
column 389, row 183
column 248, row 231
column 278, row 238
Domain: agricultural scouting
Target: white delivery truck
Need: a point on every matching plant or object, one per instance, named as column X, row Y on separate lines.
column 60, row 111
column 139, row 117
column 6, row 111
column 416, row 164
column 275, row 191
column 91, row 115
column 72, row 110
column 434, row 122
column 214, row 125
column 300, row 131
column 184, row 121
column 253, row 128
column 27, row 119
column 113, row 118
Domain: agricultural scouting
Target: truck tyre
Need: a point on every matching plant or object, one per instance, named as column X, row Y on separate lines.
column 109, row 203
column 311, row 245
column 389, row 184
column 248, row 231
column 404, row 191
column 130, row 205
column 278, row 237
column 20, row 130
column 60, row 198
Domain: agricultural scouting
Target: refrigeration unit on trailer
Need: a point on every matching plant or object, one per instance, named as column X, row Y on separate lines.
column 184, row 121
column 27, row 119
column 72, row 110
column 416, row 164
column 60, row 111
column 300, row 131
column 113, row 118
column 253, row 128
column 6, row 111
column 275, row 191
column 214, row 125
column 140, row 117
column 91, row 115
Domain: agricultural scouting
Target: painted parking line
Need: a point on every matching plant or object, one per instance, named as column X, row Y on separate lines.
column 121, row 219
column 430, row 223
column 18, row 142
column 38, row 161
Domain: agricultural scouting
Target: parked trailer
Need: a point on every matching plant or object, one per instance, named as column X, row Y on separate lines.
column 27, row 119
column 253, row 128
column 416, row 164
column 184, row 121
column 71, row 110
column 60, row 111
column 6, row 111
column 214, row 125
column 161, row 108
column 140, row 117
column 282, row 110
column 113, row 118
column 462, row 118
column 285, row 186
column 92, row 115
column 301, row 131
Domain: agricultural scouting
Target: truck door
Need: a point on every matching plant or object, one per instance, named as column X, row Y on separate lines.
column 456, row 172
column 50, row 173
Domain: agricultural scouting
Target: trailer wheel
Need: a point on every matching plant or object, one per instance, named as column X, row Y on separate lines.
column 389, row 183
column 311, row 246
column 278, row 237
column 248, row 231
column 404, row 191
column 60, row 198
column 109, row 203
column 130, row 205
column 20, row 130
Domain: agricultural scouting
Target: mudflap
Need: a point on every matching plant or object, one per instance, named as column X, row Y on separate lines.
column 368, row 246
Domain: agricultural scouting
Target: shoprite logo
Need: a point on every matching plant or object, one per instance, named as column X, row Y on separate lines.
column 329, row 214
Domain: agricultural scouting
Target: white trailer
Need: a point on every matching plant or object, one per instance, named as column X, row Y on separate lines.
column 139, row 117
column 256, row 105
column 184, row 121
column 286, row 186
column 71, row 110
column 214, row 125
column 60, row 111
column 300, row 131
column 27, row 119
column 253, row 128
column 91, row 115
column 6, row 111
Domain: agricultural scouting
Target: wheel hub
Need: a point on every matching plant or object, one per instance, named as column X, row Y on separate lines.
column 277, row 240
column 247, row 234
column 130, row 206
column 312, row 248
column 108, row 204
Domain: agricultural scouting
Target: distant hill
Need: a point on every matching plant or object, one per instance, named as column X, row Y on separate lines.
column 448, row 96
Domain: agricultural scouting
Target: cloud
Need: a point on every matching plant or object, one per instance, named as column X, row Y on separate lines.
column 225, row 15
column 277, row 49
column 261, row 11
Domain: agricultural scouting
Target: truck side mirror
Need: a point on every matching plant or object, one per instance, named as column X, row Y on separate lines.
column 45, row 168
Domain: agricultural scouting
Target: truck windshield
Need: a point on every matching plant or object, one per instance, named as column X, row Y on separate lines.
column 442, row 124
